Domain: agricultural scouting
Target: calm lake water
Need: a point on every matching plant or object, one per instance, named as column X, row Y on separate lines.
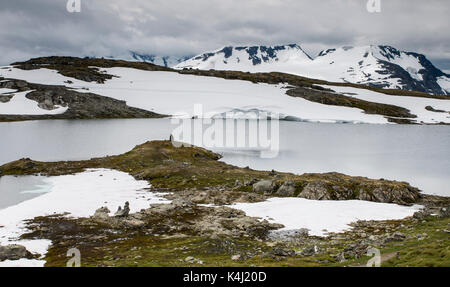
column 419, row 155
column 15, row 189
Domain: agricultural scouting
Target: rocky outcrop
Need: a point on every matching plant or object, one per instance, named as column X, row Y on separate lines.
column 287, row 189
column 14, row 252
column 389, row 194
column 123, row 212
column 395, row 237
column 84, row 69
column 102, row 213
column 5, row 98
column 317, row 190
column 216, row 196
column 334, row 186
column 80, row 105
column 199, row 221
column 334, row 99
column 264, row 187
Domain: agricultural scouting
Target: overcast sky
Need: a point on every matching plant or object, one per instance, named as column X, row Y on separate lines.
column 31, row 28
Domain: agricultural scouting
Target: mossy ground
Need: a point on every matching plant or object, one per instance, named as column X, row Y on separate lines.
column 154, row 250
column 431, row 251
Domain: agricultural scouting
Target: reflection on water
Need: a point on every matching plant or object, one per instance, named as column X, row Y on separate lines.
column 416, row 154
column 16, row 189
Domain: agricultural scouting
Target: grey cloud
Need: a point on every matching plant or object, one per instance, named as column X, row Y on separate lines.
column 175, row 27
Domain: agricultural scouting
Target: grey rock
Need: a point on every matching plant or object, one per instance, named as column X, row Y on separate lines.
column 264, row 186
column 14, row 252
column 339, row 257
column 309, row 251
column 296, row 235
column 236, row 257
column 102, row 213
column 355, row 250
column 395, row 237
column 316, row 190
column 182, row 202
column 123, row 212
column 5, row 98
column 287, row 189
column 133, row 223
column 283, row 252
column 389, row 194
column 444, row 212
column 193, row 260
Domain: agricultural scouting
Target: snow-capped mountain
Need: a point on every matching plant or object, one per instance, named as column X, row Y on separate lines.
column 251, row 58
column 98, row 87
column 379, row 66
column 165, row 61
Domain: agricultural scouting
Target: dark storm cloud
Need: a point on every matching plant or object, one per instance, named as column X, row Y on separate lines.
column 173, row 27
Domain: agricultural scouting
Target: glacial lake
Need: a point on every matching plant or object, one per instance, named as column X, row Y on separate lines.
column 419, row 155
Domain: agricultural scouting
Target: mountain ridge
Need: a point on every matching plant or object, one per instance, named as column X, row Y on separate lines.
column 380, row 66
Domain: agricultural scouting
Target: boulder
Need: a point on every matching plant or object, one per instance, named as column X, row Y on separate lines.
column 182, row 203
column 133, row 223
column 264, row 187
column 444, row 212
column 386, row 193
column 316, row 190
column 102, row 213
column 123, row 212
column 14, row 252
column 287, row 189
column 193, row 260
column 355, row 250
column 309, row 251
column 236, row 257
column 283, row 252
column 395, row 237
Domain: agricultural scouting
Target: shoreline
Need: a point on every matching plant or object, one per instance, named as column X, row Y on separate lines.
column 186, row 200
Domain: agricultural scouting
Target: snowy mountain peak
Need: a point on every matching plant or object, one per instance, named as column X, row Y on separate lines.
column 386, row 67
column 165, row 61
column 376, row 65
column 247, row 56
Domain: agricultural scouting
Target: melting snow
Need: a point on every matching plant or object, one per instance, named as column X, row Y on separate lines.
column 175, row 94
column 318, row 216
column 20, row 105
column 79, row 195
column 415, row 104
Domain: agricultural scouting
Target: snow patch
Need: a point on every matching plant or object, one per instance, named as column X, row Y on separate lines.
column 444, row 82
column 321, row 217
column 175, row 94
column 20, row 105
column 79, row 195
column 415, row 104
